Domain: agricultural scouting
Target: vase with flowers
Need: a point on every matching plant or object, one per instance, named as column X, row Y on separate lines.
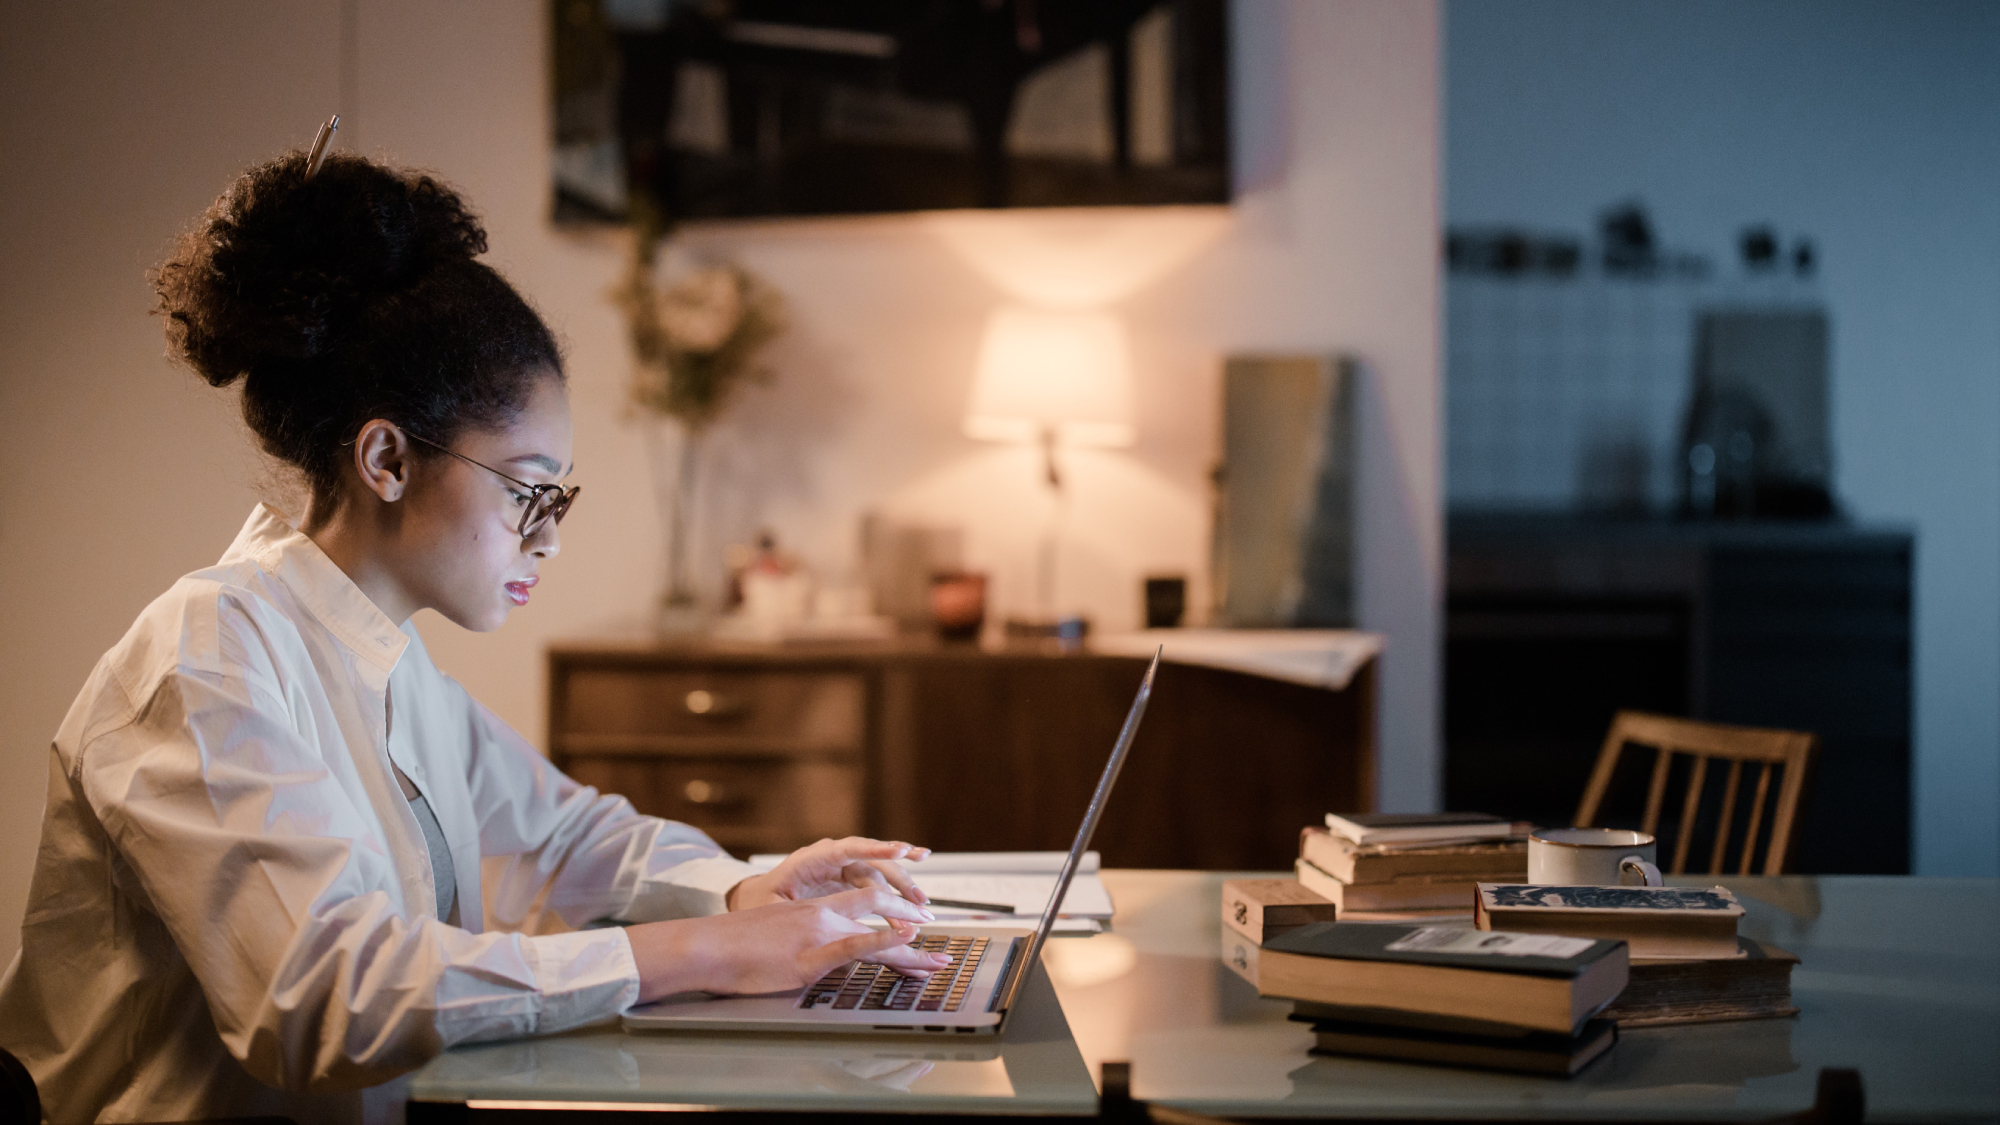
column 695, row 341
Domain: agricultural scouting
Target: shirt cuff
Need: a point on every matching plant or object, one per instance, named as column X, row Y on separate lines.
column 583, row 977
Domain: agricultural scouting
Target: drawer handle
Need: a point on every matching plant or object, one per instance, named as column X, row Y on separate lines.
column 712, row 705
column 699, row 792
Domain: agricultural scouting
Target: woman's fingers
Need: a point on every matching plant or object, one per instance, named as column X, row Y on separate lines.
column 826, row 867
column 905, row 959
column 870, row 946
column 846, row 850
column 868, row 876
column 861, row 902
column 879, row 872
column 884, row 874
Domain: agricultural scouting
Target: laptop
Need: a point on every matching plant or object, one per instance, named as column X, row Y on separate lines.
column 971, row 996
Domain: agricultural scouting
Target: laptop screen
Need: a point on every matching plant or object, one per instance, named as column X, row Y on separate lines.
column 1033, row 953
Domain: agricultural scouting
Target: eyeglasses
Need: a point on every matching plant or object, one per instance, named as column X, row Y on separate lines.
column 546, row 502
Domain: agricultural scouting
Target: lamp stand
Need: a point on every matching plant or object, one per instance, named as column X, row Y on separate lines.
column 1046, row 622
column 1045, row 566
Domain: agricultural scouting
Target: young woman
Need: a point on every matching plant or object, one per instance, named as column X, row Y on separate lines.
column 259, row 889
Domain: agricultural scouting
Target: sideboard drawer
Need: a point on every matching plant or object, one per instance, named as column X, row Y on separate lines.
column 635, row 709
column 748, row 805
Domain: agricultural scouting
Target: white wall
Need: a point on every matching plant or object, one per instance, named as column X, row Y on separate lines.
column 118, row 125
column 121, row 123
column 1872, row 128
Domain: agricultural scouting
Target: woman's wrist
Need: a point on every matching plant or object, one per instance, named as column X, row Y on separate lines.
column 739, row 896
column 670, row 956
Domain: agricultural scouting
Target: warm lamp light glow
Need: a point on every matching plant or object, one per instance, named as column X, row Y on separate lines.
column 1079, row 258
column 1061, row 374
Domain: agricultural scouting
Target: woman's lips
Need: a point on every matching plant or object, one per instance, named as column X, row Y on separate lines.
column 518, row 591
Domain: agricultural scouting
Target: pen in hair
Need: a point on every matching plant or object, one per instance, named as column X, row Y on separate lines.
column 320, row 143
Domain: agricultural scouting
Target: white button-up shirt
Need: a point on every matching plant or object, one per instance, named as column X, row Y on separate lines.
column 232, row 910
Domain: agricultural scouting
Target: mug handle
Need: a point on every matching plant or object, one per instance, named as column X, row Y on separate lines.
column 1647, row 871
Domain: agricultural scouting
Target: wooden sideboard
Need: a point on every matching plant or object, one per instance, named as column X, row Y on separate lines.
column 960, row 748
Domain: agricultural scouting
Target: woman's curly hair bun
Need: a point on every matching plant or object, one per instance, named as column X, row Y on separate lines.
column 353, row 294
column 281, row 265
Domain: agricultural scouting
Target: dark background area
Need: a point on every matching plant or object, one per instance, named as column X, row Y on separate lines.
column 1553, row 624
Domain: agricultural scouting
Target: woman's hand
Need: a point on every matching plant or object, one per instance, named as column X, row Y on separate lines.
column 779, row 946
column 830, row 867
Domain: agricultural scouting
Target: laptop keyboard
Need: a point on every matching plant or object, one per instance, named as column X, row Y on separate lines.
column 866, row 986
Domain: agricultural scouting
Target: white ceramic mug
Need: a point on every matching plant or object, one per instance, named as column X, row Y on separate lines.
column 1591, row 857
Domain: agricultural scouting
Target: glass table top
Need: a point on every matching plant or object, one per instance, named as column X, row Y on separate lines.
column 1033, row 1068
column 1899, row 977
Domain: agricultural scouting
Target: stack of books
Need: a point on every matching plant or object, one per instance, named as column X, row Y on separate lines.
column 1441, row 994
column 1689, row 965
column 1394, row 867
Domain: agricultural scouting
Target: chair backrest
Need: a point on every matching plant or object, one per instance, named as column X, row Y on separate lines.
column 18, row 1099
column 1788, row 753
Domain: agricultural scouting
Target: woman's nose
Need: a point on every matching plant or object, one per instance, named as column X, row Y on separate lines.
column 545, row 543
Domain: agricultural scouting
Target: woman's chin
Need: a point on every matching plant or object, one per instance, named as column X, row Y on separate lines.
column 485, row 619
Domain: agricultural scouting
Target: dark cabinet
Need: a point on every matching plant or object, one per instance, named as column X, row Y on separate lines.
column 1554, row 623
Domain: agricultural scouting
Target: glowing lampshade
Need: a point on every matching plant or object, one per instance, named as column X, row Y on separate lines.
column 1060, row 375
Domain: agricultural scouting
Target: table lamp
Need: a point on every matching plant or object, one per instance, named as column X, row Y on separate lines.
column 1053, row 379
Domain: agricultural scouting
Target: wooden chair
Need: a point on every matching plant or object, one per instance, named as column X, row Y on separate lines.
column 1790, row 753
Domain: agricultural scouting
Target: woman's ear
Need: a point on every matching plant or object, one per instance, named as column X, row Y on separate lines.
column 382, row 455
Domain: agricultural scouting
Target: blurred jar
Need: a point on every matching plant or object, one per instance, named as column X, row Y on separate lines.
column 958, row 604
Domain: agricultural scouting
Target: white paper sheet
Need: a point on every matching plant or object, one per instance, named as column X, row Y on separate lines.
column 1023, row 880
column 958, row 863
column 1326, row 658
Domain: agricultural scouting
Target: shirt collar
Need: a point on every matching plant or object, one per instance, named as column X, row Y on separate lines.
column 269, row 540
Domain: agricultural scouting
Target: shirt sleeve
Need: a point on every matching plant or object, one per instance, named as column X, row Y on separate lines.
column 252, row 850
column 593, row 855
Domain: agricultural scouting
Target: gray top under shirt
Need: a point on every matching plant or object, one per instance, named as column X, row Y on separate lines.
column 442, row 871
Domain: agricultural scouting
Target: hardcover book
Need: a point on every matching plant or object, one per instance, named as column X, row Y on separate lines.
column 1457, row 860
column 1454, row 894
column 1382, row 828
column 1755, row 986
column 1540, row 982
column 1679, row 922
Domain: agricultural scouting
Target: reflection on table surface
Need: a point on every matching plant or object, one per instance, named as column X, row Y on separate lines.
column 1899, row 977
column 1033, row 1068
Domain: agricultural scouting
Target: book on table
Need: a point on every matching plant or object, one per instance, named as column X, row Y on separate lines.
column 1540, row 982
column 1668, row 922
column 1754, row 986
column 1387, row 828
column 1425, row 1037
column 1414, row 894
column 1501, row 860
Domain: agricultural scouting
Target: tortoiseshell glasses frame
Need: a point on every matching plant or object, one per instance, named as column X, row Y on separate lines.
column 546, row 502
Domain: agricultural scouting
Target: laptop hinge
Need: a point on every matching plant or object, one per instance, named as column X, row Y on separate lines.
column 1001, row 989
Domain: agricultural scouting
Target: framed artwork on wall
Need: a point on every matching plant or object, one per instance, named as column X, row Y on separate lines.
column 742, row 108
